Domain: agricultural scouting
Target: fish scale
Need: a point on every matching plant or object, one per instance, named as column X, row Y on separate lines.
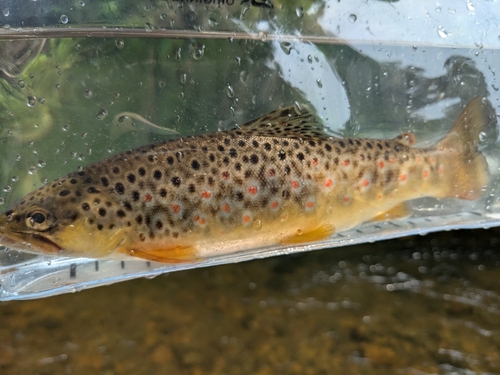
column 279, row 179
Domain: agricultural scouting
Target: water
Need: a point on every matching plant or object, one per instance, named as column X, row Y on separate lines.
column 87, row 92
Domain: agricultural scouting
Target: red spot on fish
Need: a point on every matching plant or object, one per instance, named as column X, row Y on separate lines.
column 196, row 218
column 272, row 172
column 347, row 199
column 252, row 190
column 441, row 170
column 295, row 184
column 392, row 160
column 381, row 164
column 225, row 175
column 419, row 159
column 425, row 173
column 225, row 207
column 346, row 162
column 379, row 196
column 328, row 183
column 274, row 204
column 176, row 208
column 432, row 160
column 315, row 161
column 309, row 204
column 205, row 194
column 362, row 157
column 365, row 182
column 202, row 221
column 247, row 219
column 148, row 197
column 402, row 177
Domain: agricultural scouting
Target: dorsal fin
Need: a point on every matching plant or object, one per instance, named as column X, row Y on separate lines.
column 289, row 122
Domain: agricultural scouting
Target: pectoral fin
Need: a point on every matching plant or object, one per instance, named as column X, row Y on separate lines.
column 173, row 255
column 317, row 234
column 399, row 211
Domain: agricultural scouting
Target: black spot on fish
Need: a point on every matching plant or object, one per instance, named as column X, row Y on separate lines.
column 138, row 219
column 120, row 189
column 121, row 213
column 163, row 193
column 142, row 171
column 81, row 173
column 73, row 181
column 99, row 227
column 104, row 181
column 233, row 153
column 102, row 212
column 176, row 181
column 159, row 224
column 241, row 143
column 88, row 180
column 255, row 144
column 64, row 193
column 211, row 157
column 195, row 165
column 93, row 190
column 220, row 148
column 170, row 160
column 237, row 166
column 300, row 156
column 157, row 174
column 341, row 144
column 151, row 158
column 369, row 145
column 135, row 196
column 131, row 178
column 191, row 188
column 115, row 170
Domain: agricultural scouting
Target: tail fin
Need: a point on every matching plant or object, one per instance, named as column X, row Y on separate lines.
column 469, row 165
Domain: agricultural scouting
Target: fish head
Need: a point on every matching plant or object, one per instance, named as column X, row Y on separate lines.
column 51, row 221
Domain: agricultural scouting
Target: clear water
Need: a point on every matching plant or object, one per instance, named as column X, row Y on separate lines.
column 186, row 68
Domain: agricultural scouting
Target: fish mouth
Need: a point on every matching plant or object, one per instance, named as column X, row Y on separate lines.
column 39, row 243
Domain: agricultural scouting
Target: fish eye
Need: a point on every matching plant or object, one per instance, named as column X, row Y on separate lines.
column 37, row 220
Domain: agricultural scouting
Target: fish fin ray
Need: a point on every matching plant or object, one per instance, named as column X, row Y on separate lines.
column 289, row 122
column 399, row 211
column 460, row 145
column 172, row 255
column 317, row 234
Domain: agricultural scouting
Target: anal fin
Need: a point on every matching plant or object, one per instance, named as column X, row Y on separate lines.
column 399, row 211
column 317, row 234
column 173, row 255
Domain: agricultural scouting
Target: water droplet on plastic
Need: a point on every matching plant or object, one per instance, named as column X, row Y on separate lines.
column 116, row 95
column 88, row 93
column 212, row 22
column 18, row 157
column 309, row 59
column 101, row 115
column 63, row 19
column 319, row 83
column 442, row 32
column 82, row 3
column 229, row 91
column 111, row 150
column 7, row 189
column 65, row 127
column 299, row 232
column 58, row 86
column 352, row 18
column 14, row 178
column 299, row 12
column 183, row 78
column 238, row 60
column 257, row 224
column 6, row 12
column 31, row 101
column 161, row 84
column 470, row 6
column 41, row 100
column 163, row 16
column 199, row 51
column 30, row 143
column 32, row 170
column 2, row 201
column 178, row 54
column 41, row 163
column 149, row 27
column 482, row 136
column 119, row 43
column 243, row 76
column 181, row 95
column 286, row 47
column 262, row 36
column 21, row 84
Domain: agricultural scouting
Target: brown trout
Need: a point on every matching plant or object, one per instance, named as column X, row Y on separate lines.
column 279, row 179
